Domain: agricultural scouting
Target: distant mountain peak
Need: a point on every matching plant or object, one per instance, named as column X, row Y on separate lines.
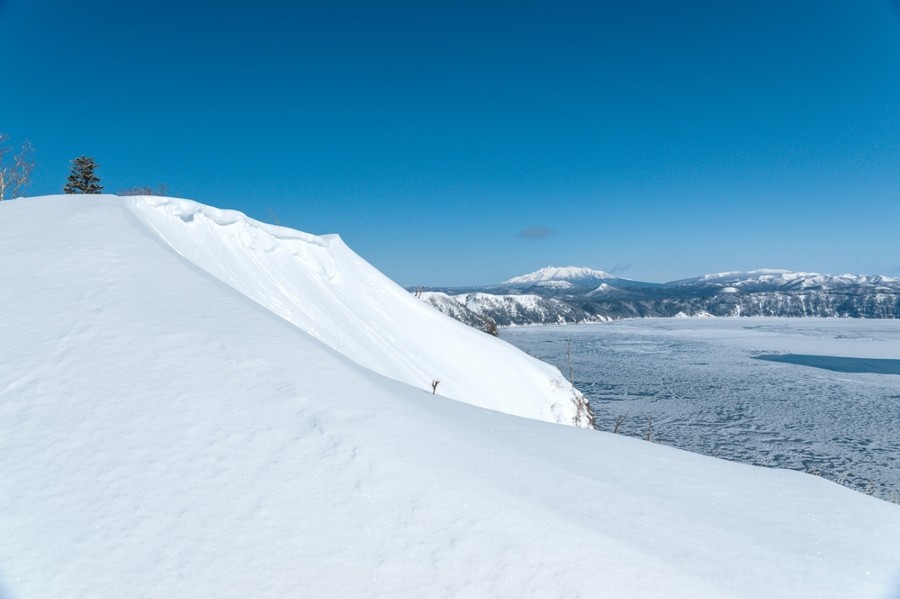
column 560, row 274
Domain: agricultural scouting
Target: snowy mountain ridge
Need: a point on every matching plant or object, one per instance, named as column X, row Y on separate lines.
column 779, row 277
column 577, row 276
column 577, row 297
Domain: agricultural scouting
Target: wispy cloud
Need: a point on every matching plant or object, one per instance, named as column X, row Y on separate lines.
column 532, row 233
column 620, row 267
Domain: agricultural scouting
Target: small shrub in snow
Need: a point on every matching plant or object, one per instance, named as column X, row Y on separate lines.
column 490, row 327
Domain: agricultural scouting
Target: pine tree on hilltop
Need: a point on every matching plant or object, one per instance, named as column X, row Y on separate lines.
column 82, row 178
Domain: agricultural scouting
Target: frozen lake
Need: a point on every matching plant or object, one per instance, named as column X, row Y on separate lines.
column 818, row 395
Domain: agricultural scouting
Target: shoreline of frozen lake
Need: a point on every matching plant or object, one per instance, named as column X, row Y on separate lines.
column 699, row 385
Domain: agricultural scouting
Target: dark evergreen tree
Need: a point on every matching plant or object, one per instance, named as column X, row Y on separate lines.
column 82, row 178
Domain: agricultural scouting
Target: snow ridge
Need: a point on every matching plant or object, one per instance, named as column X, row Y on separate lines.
column 320, row 285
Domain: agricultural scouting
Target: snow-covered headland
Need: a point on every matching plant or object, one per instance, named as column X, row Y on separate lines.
column 196, row 404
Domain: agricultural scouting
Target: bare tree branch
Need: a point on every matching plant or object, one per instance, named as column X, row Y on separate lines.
column 15, row 177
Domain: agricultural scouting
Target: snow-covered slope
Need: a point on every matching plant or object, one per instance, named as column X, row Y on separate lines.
column 458, row 311
column 323, row 287
column 508, row 310
column 162, row 435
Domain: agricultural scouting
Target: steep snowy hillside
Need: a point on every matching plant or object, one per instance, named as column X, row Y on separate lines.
column 320, row 285
column 164, row 435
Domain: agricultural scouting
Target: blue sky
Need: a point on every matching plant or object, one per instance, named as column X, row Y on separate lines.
column 468, row 142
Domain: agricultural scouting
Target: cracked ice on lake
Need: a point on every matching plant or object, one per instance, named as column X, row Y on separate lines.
column 697, row 383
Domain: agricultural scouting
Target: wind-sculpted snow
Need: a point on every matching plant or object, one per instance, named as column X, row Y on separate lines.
column 162, row 435
column 321, row 286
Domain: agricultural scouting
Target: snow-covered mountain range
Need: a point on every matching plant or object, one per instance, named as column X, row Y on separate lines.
column 573, row 294
column 196, row 404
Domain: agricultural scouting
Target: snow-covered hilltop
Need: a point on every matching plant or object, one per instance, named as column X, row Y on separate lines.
column 193, row 404
column 586, row 295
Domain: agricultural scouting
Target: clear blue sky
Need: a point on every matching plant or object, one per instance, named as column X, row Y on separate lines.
column 468, row 142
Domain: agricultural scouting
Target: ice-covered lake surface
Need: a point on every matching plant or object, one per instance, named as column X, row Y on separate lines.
column 699, row 385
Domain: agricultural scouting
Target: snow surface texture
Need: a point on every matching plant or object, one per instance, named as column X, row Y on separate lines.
column 161, row 435
column 323, row 287
column 699, row 382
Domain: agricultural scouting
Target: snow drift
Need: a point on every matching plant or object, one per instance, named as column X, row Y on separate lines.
column 162, row 435
column 323, row 287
